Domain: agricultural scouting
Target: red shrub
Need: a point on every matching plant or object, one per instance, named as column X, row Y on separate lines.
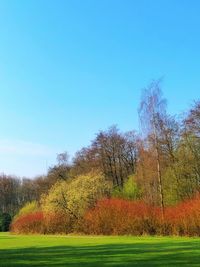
column 184, row 218
column 117, row 216
column 58, row 223
column 29, row 223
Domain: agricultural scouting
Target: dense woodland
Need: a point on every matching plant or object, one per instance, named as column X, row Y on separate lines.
column 144, row 182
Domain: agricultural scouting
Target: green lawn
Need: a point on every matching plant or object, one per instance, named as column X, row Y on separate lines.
column 78, row 251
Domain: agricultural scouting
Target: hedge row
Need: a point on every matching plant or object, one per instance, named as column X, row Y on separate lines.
column 117, row 217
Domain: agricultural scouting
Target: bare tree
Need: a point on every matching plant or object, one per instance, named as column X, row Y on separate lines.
column 152, row 110
column 111, row 152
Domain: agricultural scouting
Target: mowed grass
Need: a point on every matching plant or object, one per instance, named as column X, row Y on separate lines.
column 78, row 251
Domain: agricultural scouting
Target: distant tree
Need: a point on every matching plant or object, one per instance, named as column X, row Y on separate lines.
column 63, row 159
column 130, row 190
column 117, row 153
column 146, row 174
column 112, row 153
column 28, row 190
column 10, row 198
column 61, row 170
column 86, row 160
column 5, row 221
column 187, row 157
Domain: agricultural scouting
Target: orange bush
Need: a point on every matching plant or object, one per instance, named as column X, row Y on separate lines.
column 117, row 216
column 58, row 223
column 184, row 218
column 29, row 223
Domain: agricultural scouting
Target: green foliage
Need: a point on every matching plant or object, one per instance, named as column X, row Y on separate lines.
column 130, row 190
column 5, row 220
column 170, row 187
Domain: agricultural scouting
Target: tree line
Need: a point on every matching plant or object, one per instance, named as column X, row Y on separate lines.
column 159, row 165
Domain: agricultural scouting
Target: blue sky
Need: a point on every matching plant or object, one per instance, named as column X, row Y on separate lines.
column 70, row 68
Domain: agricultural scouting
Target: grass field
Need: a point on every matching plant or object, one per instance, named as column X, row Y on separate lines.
column 78, row 251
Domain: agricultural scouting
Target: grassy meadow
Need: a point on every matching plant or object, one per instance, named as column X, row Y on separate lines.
column 77, row 251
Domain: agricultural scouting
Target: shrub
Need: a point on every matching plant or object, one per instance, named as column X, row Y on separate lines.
column 58, row 222
column 117, row 216
column 29, row 207
column 184, row 218
column 29, row 223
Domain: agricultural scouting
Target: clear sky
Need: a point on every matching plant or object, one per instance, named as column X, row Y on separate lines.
column 70, row 68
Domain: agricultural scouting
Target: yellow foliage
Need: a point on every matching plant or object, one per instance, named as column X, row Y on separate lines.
column 76, row 196
column 28, row 208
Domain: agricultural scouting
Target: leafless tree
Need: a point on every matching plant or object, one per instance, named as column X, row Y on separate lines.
column 152, row 110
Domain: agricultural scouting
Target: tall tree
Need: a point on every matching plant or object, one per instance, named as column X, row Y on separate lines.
column 111, row 152
column 152, row 111
column 117, row 154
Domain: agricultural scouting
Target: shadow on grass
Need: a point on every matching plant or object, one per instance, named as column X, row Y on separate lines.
column 139, row 254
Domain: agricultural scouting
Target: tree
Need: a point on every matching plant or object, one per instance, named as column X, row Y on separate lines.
column 129, row 191
column 75, row 196
column 146, row 174
column 5, row 221
column 117, row 154
column 191, row 136
column 152, row 112
column 10, row 198
column 28, row 191
column 112, row 153
column 61, row 170
column 187, row 156
column 85, row 161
